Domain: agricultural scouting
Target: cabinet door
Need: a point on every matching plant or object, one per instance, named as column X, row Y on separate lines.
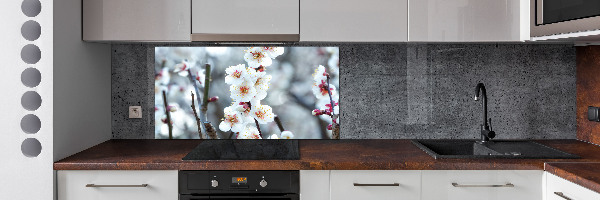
column 482, row 184
column 314, row 185
column 354, row 20
column 379, row 185
column 136, row 20
column 242, row 20
column 561, row 189
column 468, row 20
column 117, row 185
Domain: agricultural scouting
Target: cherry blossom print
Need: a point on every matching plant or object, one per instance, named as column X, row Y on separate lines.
column 232, row 120
column 243, row 92
column 256, row 56
column 236, row 74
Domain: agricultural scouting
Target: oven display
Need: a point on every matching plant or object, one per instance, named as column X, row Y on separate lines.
column 239, row 180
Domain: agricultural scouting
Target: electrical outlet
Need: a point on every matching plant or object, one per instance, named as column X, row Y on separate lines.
column 135, row 112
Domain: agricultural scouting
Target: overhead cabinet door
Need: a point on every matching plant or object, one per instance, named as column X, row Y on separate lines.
column 243, row 20
column 354, row 20
column 468, row 21
column 136, row 20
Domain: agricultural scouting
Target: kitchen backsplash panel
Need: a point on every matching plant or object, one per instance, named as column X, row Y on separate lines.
column 394, row 91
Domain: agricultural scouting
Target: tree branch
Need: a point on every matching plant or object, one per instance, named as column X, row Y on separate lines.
column 197, row 118
column 166, row 103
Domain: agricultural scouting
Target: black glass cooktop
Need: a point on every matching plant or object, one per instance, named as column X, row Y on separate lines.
column 245, row 150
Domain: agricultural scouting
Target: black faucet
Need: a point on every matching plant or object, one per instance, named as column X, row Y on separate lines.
column 486, row 129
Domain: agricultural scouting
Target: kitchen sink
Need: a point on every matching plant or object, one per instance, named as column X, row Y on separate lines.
column 441, row 149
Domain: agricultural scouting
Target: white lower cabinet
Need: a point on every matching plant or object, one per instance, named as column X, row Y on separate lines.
column 375, row 185
column 561, row 189
column 482, row 184
column 117, row 185
column 314, row 184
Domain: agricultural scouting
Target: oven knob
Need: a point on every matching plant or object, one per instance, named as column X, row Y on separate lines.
column 214, row 183
column 263, row 183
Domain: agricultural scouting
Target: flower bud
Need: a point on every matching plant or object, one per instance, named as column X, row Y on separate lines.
column 330, row 126
column 213, row 99
column 316, row 112
column 171, row 108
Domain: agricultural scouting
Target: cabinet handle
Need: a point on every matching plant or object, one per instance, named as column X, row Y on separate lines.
column 362, row 184
column 94, row 185
column 505, row 185
column 560, row 194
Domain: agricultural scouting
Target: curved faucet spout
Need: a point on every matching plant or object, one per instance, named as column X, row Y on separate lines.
column 486, row 133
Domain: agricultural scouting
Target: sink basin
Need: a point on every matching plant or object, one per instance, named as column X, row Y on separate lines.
column 494, row 149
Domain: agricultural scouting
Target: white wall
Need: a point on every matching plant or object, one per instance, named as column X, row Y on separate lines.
column 24, row 177
column 75, row 92
column 82, row 84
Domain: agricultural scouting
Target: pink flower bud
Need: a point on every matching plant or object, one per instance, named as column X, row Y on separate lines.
column 171, row 108
column 316, row 112
column 213, row 99
column 330, row 126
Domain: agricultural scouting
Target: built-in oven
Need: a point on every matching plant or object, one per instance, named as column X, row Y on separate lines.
column 554, row 17
column 234, row 185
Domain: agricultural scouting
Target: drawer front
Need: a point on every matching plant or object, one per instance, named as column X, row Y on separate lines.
column 117, row 185
column 482, row 184
column 566, row 190
column 407, row 185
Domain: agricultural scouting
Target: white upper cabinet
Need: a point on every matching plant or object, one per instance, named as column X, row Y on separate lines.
column 136, row 20
column 468, row 20
column 242, row 20
column 354, row 20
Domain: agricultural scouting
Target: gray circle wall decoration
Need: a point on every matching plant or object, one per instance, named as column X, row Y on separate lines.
column 31, row 54
column 31, row 77
column 31, row 8
column 31, row 30
column 31, row 124
column 31, row 100
column 31, row 147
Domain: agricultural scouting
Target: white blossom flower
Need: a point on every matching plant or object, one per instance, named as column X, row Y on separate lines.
column 244, row 109
column 287, row 135
column 250, row 132
column 262, row 85
column 232, row 120
column 256, row 56
column 236, row 74
column 243, row 92
column 273, row 52
column 320, row 90
column 182, row 68
column 262, row 113
column 273, row 136
column 318, row 75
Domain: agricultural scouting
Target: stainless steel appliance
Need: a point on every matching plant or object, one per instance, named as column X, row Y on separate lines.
column 233, row 185
column 556, row 17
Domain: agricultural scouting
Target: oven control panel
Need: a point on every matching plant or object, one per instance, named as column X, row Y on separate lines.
column 226, row 182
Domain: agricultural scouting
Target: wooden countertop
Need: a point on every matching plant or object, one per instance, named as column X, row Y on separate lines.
column 314, row 155
column 581, row 173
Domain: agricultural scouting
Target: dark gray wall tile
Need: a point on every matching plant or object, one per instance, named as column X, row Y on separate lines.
column 410, row 90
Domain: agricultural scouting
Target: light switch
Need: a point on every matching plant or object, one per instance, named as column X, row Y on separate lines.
column 135, row 112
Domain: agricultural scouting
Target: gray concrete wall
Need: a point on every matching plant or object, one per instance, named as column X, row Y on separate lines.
column 394, row 91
